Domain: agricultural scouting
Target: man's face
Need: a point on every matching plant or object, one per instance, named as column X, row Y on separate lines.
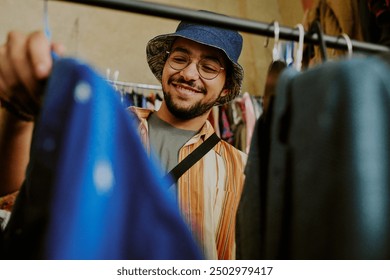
column 186, row 93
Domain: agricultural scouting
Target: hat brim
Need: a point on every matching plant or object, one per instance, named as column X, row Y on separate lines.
column 156, row 54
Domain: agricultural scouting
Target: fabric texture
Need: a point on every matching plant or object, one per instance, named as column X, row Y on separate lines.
column 91, row 190
column 327, row 188
column 209, row 192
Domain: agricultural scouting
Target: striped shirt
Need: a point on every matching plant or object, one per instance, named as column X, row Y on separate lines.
column 209, row 192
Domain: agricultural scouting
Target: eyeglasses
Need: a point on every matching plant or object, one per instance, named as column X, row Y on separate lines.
column 207, row 68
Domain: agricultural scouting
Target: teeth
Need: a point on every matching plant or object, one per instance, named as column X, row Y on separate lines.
column 185, row 90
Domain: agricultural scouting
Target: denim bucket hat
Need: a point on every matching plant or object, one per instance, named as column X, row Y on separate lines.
column 229, row 41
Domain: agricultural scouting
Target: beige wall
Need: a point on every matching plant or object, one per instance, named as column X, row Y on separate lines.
column 116, row 39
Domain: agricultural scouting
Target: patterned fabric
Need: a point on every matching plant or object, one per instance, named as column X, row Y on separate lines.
column 209, row 192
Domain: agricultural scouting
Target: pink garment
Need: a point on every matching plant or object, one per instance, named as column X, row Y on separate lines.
column 226, row 132
column 250, row 118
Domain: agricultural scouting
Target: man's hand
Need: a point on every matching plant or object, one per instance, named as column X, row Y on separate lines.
column 25, row 63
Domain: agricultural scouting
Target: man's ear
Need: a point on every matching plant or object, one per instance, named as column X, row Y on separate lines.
column 225, row 92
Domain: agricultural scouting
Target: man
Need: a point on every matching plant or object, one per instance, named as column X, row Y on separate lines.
column 198, row 69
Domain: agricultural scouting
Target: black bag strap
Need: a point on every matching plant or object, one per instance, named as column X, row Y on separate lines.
column 193, row 157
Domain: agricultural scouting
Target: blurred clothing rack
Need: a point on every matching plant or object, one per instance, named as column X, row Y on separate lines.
column 244, row 25
column 134, row 85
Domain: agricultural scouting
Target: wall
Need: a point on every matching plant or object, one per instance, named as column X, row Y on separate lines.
column 116, row 40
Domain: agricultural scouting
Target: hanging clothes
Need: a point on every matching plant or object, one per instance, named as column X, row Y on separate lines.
column 250, row 119
column 375, row 14
column 238, row 123
column 251, row 210
column 91, row 190
column 335, row 17
column 225, row 126
column 326, row 191
column 273, row 73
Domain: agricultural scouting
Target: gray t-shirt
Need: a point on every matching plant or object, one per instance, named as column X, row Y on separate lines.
column 166, row 141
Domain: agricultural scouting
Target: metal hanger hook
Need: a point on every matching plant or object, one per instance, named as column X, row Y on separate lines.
column 299, row 56
column 276, row 33
column 275, row 50
column 349, row 44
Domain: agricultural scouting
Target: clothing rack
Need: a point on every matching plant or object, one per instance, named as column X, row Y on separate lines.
column 134, row 85
column 244, row 25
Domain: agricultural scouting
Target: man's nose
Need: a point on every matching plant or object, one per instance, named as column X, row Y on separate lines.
column 190, row 72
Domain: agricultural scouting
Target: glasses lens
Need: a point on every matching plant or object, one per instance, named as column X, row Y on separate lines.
column 207, row 68
column 178, row 61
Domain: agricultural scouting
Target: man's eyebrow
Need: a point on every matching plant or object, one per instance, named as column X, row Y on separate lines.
column 180, row 49
column 215, row 58
column 212, row 57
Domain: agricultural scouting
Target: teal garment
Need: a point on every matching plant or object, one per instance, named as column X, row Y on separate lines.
column 327, row 190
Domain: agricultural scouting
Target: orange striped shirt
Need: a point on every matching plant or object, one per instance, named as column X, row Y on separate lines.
column 209, row 192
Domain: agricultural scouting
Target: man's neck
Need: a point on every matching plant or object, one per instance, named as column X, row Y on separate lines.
column 194, row 124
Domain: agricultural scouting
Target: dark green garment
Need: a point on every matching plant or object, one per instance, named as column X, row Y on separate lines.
column 326, row 192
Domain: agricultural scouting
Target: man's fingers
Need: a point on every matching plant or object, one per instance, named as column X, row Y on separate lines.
column 59, row 49
column 18, row 57
column 39, row 52
column 7, row 72
column 24, row 62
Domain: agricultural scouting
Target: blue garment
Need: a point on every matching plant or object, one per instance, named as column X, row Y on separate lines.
column 109, row 200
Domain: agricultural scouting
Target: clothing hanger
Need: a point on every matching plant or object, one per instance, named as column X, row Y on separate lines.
column 274, row 70
column 349, row 44
column 288, row 55
column 115, row 77
column 315, row 28
column 277, row 46
column 46, row 26
column 299, row 55
column 46, row 20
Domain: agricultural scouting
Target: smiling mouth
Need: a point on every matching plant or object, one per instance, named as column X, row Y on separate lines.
column 186, row 89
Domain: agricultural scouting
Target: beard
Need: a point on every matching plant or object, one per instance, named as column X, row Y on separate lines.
column 188, row 113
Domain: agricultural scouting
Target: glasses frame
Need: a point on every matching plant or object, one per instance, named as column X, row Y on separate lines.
column 197, row 67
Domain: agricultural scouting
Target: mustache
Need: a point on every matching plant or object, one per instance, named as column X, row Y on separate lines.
column 182, row 81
